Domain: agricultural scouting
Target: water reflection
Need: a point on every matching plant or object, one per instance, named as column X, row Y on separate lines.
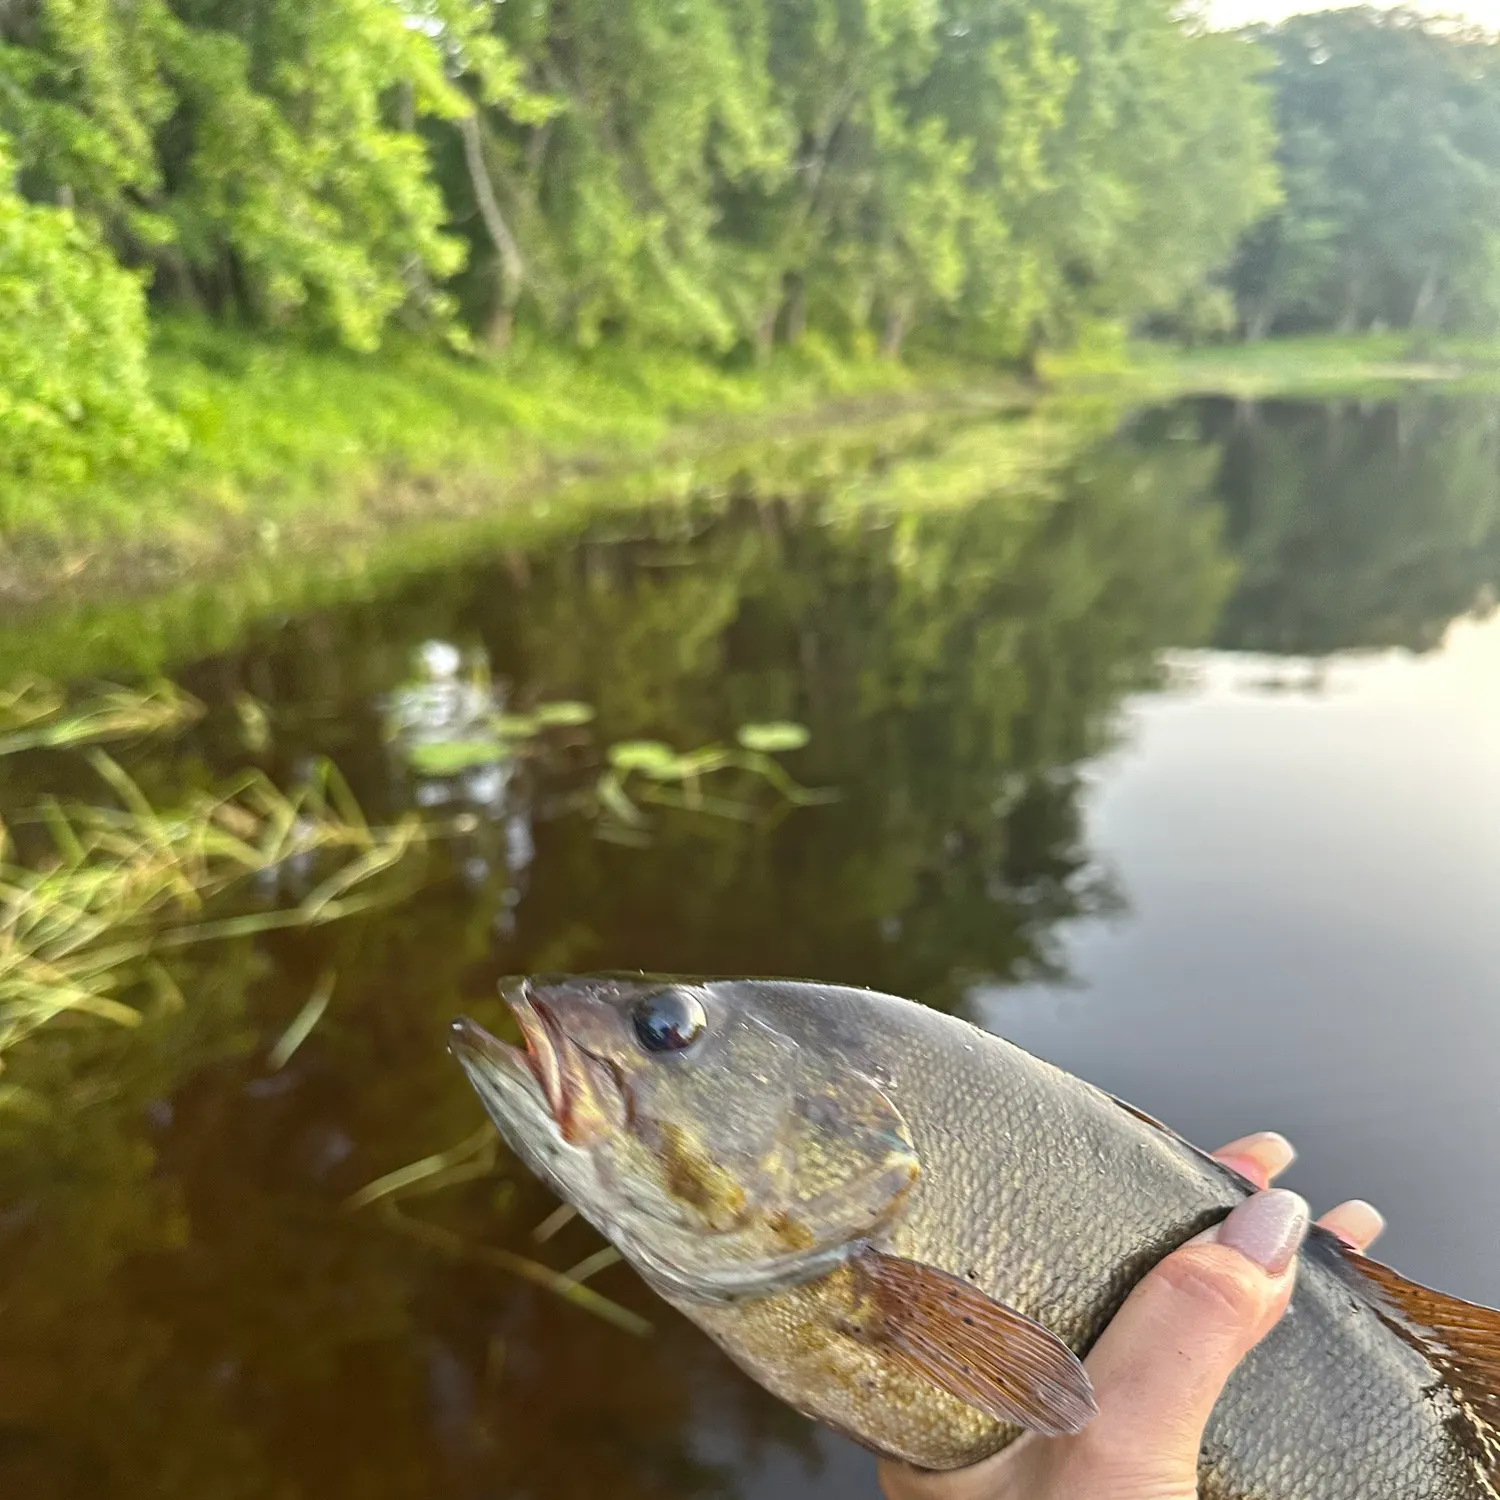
column 191, row 1312
column 1354, row 525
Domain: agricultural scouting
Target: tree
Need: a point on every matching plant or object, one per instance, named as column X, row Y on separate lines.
column 1390, row 154
column 74, row 392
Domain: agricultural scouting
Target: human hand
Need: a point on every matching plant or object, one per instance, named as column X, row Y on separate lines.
column 1159, row 1366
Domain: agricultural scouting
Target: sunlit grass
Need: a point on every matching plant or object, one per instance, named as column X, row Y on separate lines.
column 1316, row 365
column 281, row 434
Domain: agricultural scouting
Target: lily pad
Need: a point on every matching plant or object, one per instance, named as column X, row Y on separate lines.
column 450, row 757
column 773, row 738
column 515, row 726
column 651, row 757
column 564, row 714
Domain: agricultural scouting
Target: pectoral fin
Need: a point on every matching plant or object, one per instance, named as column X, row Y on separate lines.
column 978, row 1350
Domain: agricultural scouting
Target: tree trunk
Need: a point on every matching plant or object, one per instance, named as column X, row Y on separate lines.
column 1349, row 317
column 512, row 266
column 765, row 326
column 796, row 311
column 1259, row 324
column 1427, row 299
column 897, row 321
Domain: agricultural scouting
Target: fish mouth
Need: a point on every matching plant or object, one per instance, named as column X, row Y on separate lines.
column 581, row 1093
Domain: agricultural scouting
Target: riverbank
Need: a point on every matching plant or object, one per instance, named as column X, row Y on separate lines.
column 1316, row 366
column 286, row 450
column 300, row 467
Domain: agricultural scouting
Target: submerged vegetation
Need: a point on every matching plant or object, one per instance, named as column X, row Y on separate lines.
column 88, row 915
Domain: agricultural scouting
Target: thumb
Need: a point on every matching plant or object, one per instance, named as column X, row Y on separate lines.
column 1163, row 1360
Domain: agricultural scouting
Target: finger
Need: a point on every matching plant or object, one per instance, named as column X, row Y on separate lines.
column 1161, row 1363
column 898, row 1482
column 1356, row 1222
column 1261, row 1157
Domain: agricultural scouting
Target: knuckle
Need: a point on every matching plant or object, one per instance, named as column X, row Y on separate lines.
column 1217, row 1282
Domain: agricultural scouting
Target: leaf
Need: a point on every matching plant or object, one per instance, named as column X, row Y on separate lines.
column 450, row 757
column 515, row 726
column 564, row 714
column 255, row 722
column 773, row 738
column 649, row 756
column 303, row 1023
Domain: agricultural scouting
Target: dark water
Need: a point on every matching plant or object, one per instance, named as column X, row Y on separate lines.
column 1157, row 748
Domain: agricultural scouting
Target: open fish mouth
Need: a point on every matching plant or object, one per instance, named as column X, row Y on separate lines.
column 581, row 1094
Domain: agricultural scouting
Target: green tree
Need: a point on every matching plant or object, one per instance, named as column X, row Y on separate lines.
column 74, row 393
column 253, row 154
column 1390, row 152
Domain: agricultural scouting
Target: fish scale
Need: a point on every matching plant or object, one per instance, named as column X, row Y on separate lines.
column 1051, row 1198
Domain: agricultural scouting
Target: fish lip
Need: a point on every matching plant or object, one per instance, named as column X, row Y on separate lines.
column 562, row 1077
column 487, row 1060
column 544, row 1041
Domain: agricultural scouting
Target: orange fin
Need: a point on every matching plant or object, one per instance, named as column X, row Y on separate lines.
column 1461, row 1340
column 984, row 1353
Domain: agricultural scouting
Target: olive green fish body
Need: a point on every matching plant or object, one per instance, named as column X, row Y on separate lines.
column 1055, row 1199
column 1039, row 1192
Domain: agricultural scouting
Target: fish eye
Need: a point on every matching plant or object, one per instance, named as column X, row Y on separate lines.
column 668, row 1021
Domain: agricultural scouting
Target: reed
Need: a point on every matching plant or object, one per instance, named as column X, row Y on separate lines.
column 107, row 890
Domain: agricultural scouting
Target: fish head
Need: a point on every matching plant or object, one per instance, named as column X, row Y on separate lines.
column 702, row 1126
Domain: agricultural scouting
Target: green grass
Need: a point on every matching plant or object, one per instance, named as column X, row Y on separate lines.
column 296, row 445
column 1323, row 365
column 309, row 474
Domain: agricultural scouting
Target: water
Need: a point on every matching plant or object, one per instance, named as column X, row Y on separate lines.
column 1170, row 749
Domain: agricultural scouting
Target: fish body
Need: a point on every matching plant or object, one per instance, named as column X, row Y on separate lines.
column 836, row 1185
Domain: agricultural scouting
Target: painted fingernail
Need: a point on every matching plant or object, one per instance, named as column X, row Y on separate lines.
column 1271, row 1144
column 1357, row 1223
column 1267, row 1229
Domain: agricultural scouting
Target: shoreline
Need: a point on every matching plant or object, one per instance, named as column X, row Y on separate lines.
column 311, row 473
column 293, row 452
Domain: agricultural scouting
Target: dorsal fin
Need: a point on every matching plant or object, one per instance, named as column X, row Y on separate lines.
column 1460, row 1340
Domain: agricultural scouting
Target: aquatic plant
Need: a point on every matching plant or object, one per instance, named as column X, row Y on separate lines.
column 35, row 714
column 452, row 723
column 471, row 1159
column 106, row 890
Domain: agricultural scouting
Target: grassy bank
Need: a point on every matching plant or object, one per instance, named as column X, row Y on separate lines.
column 286, row 449
column 1320, row 366
column 308, row 476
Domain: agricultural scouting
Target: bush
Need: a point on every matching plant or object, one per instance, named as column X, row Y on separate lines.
column 75, row 397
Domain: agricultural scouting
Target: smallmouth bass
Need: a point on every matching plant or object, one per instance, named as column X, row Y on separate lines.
column 910, row 1230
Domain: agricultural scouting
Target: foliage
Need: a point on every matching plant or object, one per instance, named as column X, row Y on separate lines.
column 246, row 152
column 716, row 175
column 75, row 397
column 1389, row 127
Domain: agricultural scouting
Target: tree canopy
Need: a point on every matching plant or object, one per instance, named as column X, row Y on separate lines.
column 720, row 174
column 1389, row 148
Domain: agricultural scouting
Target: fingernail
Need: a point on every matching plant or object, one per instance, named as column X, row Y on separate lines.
column 1273, row 1143
column 1267, row 1229
column 1358, row 1223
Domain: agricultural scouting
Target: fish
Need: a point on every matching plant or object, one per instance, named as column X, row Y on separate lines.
column 912, row 1231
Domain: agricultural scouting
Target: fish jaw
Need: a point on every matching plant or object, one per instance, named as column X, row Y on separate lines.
column 583, row 1096
column 510, row 1084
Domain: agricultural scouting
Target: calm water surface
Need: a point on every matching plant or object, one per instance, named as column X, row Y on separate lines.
column 1172, row 752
